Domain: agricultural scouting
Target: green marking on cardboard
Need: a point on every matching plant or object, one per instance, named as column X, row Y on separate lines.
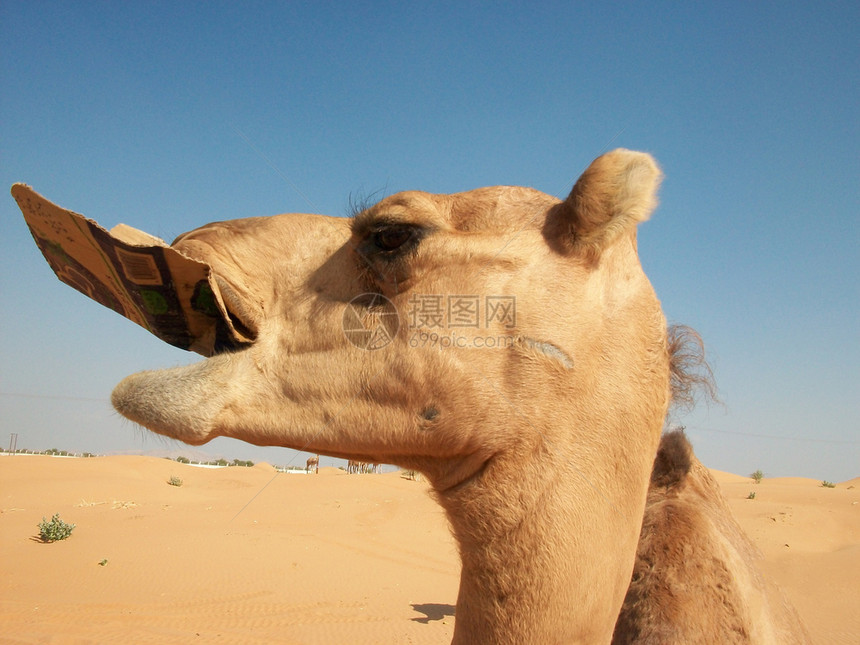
column 155, row 303
column 204, row 301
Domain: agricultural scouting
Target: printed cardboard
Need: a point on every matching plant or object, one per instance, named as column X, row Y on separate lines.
column 136, row 274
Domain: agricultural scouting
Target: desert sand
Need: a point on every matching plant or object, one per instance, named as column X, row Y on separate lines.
column 250, row 555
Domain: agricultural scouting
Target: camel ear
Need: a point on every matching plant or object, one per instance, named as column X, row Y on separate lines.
column 615, row 193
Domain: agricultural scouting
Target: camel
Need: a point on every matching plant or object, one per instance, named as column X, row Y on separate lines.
column 515, row 354
column 361, row 467
column 696, row 578
column 313, row 463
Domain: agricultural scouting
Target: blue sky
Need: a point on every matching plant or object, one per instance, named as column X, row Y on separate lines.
column 168, row 115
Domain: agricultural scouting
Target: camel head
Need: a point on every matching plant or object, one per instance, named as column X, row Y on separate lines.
column 428, row 330
column 498, row 340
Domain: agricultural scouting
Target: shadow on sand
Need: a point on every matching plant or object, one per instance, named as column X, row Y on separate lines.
column 432, row 611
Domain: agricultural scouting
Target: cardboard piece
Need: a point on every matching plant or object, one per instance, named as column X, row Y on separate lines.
column 136, row 274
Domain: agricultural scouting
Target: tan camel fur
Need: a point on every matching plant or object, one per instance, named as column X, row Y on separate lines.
column 537, row 428
column 696, row 578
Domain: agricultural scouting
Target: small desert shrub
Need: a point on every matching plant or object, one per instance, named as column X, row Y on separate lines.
column 828, row 484
column 174, row 481
column 757, row 476
column 751, row 495
column 54, row 530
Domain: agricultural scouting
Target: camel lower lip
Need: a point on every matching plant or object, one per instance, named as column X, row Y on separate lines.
column 180, row 402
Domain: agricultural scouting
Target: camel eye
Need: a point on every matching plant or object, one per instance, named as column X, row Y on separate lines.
column 393, row 237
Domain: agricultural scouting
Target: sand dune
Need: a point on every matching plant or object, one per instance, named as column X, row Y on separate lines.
column 728, row 478
column 249, row 555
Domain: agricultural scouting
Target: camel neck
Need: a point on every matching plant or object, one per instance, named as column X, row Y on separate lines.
column 533, row 568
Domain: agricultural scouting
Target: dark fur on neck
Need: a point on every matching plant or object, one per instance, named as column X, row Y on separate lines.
column 673, row 461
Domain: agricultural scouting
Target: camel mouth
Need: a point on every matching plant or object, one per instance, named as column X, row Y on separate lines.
column 180, row 402
column 242, row 322
column 246, row 330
